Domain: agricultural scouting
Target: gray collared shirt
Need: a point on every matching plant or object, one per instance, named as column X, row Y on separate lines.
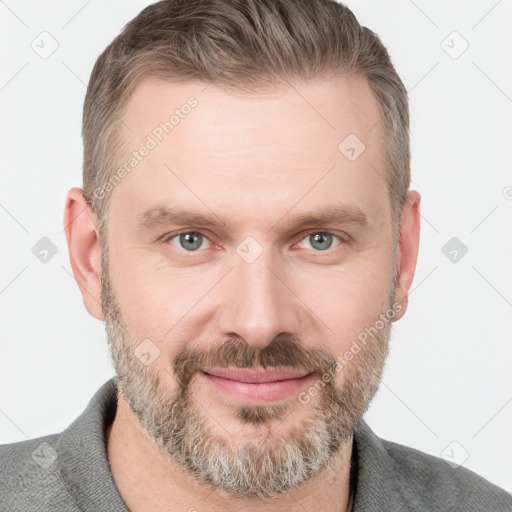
column 70, row 472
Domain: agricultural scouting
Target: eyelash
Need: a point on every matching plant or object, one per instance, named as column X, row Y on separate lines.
column 168, row 238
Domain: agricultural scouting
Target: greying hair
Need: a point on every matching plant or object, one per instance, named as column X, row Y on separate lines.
column 240, row 45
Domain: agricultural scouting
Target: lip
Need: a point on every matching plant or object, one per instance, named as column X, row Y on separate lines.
column 252, row 386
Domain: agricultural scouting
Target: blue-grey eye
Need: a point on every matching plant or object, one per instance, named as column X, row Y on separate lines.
column 320, row 241
column 189, row 241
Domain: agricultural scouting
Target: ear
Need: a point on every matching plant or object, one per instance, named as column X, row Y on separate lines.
column 84, row 249
column 407, row 250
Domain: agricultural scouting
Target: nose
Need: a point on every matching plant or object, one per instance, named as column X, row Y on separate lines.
column 259, row 303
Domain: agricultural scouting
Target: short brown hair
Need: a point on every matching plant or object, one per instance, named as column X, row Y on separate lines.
column 245, row 45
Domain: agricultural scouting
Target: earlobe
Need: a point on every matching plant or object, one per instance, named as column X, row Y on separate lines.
column 408, row 248
column 84, row 249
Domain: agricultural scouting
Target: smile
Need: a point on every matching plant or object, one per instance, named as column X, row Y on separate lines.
column 257, row 386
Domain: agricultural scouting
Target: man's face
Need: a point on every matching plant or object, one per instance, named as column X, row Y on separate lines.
column 186, row 302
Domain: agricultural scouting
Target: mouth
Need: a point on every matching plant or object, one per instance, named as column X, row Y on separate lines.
column 257, row 386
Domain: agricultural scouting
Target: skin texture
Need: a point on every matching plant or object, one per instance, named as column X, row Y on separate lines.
column 255, row 161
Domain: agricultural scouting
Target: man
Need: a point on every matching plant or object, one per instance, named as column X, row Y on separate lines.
column 272, row 137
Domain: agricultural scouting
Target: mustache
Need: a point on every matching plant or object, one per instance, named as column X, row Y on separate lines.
column 281, row 352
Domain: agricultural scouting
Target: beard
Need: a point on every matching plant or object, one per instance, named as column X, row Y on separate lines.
column 265, row 465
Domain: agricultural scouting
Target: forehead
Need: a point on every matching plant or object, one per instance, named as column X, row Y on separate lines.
column 298, row 143
column 330, row 109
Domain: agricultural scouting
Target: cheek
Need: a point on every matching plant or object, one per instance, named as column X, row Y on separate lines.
column 148, row 300
column 164, row 305
column 154, row 303
column 345, row 301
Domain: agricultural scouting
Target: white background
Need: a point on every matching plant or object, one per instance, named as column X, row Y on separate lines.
column 448, row 377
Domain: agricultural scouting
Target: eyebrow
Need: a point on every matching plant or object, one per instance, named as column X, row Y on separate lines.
column 161, row 216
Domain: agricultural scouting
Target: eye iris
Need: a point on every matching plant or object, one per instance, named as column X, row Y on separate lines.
column 186, row 238
column 321, row 238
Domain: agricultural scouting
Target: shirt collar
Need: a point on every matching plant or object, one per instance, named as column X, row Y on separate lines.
column 83, row 454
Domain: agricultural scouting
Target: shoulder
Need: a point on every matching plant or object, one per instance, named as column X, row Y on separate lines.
column 30, row 477
column 431, row 483
column 391, row 476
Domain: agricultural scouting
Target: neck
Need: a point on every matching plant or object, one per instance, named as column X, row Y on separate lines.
column 149, row 480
